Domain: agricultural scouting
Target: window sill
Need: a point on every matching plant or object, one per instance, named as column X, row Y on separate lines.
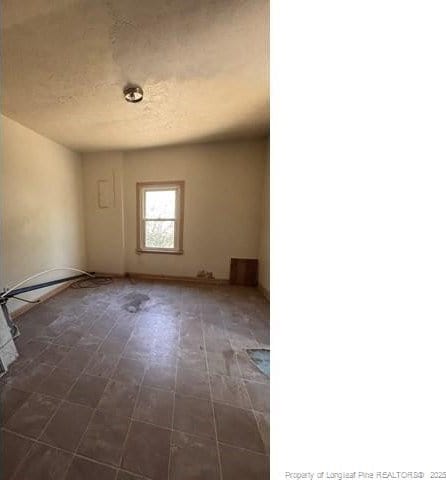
column 162, row 252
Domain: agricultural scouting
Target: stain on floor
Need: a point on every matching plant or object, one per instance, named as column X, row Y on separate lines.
column 135, row 302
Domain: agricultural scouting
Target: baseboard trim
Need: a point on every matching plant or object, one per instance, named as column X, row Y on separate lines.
column 113, row 275
column 20, row 311
column 174, row 278
column 263, row 291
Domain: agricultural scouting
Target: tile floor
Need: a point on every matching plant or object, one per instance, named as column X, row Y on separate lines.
column 163, row 393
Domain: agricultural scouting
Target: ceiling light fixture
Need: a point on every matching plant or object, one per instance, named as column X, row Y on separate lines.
column 133, row 94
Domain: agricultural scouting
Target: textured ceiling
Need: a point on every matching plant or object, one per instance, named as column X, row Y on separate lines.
column 203, row 65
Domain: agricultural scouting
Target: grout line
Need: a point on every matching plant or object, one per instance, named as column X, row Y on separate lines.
column 109, row 379
column 133, row 418
column 136, row 400
column 70, row 452
column 83, row 371
column 175, row 387
column 186, row 395
column 220, row 468
column 243, row 381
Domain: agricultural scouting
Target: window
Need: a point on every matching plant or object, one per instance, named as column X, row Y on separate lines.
column 160, row 214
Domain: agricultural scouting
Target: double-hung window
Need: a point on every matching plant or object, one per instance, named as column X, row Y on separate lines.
column 160, row 217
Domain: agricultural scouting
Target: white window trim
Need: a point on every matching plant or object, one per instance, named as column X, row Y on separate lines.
column 142, row 188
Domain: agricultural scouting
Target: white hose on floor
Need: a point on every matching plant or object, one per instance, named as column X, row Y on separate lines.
column 42, row 273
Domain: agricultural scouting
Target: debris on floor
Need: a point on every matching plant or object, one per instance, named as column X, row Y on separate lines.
column 260, row 357
column 204, row 274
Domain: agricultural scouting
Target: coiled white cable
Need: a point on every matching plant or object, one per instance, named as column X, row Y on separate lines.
column 40, row 274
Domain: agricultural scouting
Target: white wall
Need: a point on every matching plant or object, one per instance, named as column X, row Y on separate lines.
column 42, row 207
column 224, row 185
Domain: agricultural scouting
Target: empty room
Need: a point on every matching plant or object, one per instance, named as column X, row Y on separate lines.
column 134, row 243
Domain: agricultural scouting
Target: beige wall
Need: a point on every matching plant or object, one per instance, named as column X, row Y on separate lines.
column 42, row 207
column 104, row 226
column 264, row 232
column 223, row 206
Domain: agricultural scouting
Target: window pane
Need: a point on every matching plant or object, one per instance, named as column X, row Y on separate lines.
column 160, row 203
column 160, row 234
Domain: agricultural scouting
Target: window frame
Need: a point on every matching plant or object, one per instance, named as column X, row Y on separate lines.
column 141, row 188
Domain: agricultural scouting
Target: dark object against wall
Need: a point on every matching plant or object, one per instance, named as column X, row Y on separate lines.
column 244, row 271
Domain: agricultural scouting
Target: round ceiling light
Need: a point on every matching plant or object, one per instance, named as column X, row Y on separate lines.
column 133, row 94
